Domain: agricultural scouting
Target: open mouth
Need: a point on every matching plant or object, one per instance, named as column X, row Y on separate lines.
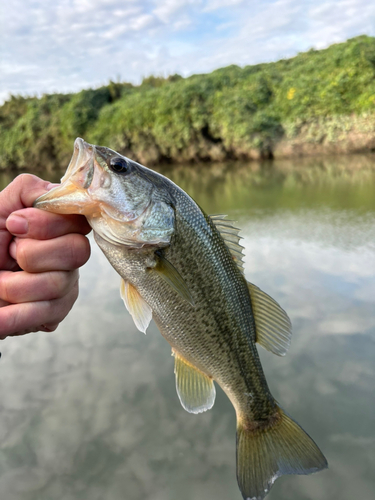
column 81, row 167
column 71, row 196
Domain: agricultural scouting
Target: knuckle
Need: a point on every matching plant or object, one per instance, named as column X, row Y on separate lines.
column 14, row 319
column 73, row 295
column 80, row 250
column 26, row 179
column 40, row 225
column 23, row 181
column 59, row 282
column 4, row 287
column 62, row 282
column 59, row 308
column 22, row 254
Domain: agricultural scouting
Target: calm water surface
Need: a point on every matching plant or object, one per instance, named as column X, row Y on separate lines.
column 90, row 412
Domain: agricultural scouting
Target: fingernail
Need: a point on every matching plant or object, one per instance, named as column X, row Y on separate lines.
column 17, row 225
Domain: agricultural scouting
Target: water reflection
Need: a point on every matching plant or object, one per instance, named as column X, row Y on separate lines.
column 90, row 412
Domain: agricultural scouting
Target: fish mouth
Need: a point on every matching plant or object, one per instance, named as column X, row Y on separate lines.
column 71, row 196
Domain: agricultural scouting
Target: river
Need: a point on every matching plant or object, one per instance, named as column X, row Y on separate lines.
column 90, row 412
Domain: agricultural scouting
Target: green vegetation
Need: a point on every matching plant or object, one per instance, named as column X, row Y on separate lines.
column 316, row 102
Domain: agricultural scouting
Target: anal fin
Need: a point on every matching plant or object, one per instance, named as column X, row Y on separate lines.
column 139, row 309
column 195, row 389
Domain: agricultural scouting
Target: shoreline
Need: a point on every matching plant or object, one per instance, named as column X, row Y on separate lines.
column 297, row 146
column 327, row 158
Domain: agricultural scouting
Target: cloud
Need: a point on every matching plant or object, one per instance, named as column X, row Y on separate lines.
column 70, row 44
column 319, row 265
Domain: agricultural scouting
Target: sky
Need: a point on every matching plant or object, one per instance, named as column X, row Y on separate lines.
column 66, row 45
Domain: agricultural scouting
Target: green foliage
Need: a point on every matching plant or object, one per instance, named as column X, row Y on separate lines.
column 12, row 110
column 230, row 112
column 29, row 141
column 81, row 110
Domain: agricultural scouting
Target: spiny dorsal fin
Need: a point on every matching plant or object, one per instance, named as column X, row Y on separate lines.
column 174, row 279
column 139, row 309
column 273, row 327
column 195, row 389
column 229, row 233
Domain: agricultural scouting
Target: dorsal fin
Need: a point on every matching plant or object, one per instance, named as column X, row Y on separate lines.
column 229, row 233
column 272, row 324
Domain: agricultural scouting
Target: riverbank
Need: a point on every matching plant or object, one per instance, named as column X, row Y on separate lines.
column 317, row 103
column 314, row 137
column 327, row 136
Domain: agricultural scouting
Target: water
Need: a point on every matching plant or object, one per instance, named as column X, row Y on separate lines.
column 90, row 411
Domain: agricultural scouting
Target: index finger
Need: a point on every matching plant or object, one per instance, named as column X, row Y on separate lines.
column 18, row 194
column 41, row 225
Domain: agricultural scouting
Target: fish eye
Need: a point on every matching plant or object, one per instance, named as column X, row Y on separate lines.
column 119, row 165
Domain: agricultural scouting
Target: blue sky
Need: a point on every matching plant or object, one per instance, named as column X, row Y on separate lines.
column 66, row 45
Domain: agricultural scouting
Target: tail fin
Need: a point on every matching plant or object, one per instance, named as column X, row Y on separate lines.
column 263, row 455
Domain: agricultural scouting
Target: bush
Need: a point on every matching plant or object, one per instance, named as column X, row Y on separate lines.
column 230, row 112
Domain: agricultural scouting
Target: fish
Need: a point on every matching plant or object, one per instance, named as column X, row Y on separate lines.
column 184, row 269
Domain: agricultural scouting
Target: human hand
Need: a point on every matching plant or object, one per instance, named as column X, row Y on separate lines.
column 40, row 254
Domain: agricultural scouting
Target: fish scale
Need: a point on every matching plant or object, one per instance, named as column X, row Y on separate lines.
column 185, row 269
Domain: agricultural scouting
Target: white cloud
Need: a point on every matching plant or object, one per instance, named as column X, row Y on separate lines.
column 217, row 4
column 321, row 273
column 167, row 9
column 71, row 44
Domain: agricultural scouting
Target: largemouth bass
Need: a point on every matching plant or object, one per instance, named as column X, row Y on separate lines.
column 183, row 268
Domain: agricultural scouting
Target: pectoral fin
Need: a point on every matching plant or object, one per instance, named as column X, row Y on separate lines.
column 195, row 389
column 273, row 327
column 139, row 309
column 174, row 279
